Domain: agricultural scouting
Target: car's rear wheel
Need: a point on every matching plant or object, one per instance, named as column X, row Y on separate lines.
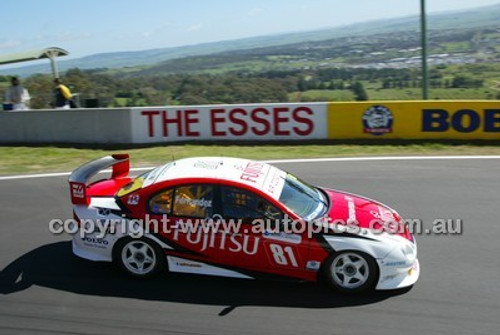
column 351, row 271
column 140, row 257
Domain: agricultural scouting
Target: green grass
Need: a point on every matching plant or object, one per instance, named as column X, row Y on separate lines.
column 434, row 93
column 53, row 159
column 399, row 94
column 456, row 46
column 322, row 95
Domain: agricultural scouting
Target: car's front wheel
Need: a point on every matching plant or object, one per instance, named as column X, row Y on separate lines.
column 351, row 271
column 140, row 257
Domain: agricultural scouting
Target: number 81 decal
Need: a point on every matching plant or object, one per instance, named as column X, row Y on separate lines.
column 283, row 255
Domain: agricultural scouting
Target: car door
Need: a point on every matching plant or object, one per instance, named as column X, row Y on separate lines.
column 259, row 244
column 187, row 206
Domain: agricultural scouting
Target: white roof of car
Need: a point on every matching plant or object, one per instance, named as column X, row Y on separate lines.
column 262, row 176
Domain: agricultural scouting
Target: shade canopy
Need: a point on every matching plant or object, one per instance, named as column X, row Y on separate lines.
column 33, row 55
column 50, row 53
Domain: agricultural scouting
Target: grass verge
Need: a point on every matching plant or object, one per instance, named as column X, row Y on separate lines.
column 55, row 159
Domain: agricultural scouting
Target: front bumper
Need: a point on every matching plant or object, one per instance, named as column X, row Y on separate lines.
column 394, row 275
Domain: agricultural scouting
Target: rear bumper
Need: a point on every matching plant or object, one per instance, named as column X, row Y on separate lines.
column 92, row 248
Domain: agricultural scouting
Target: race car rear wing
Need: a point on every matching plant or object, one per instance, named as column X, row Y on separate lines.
column 79, row 178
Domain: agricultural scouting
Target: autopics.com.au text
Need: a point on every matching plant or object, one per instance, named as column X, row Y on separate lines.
column 139, row 227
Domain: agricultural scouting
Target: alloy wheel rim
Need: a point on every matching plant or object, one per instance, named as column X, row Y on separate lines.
column 138, row 257
column 350, row 270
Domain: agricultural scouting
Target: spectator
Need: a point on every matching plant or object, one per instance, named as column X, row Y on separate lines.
column 17, row 96
column 63, row 95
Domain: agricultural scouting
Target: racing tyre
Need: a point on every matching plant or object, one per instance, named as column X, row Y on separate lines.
column 140, row 258
column 351, row 271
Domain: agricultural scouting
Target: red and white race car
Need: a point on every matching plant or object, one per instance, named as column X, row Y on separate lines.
column 238, row 218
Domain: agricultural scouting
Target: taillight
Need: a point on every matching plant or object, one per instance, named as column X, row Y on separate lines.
column 77, row 219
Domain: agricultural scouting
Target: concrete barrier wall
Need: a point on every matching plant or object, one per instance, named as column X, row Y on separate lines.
column 380, row 120
column 90, row 126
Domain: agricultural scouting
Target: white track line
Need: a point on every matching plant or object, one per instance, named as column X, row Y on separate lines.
column 285, row 161
column 383, row 158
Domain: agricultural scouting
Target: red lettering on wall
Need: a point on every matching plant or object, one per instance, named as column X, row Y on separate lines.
column 304, row 120
column 176, row 120
column 260, row 120
column 190, row 118
column 243, row 125
column 150, row 115
column 280, row 119
column 214, row 119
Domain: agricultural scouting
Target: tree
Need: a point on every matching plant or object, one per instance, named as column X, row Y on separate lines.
column 461, row 81
column 302, row 85
column 359, row 91
column 40, row 88
column 386, row 83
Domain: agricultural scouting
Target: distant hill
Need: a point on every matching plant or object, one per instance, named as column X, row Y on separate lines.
column 479, row 17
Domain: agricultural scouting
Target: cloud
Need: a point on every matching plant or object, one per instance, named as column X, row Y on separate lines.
column 158, row 30
column 69, row 36
column 9, row 44
column 255, row 11
column 194, row 27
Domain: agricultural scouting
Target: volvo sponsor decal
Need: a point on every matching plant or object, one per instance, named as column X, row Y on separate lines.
column 94, row 242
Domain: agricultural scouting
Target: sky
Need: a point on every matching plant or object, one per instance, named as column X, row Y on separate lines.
column 97, row 26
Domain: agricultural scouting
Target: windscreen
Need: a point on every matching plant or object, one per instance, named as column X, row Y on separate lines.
column 303, row 199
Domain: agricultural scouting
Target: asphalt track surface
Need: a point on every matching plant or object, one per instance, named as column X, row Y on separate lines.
column 44, row 289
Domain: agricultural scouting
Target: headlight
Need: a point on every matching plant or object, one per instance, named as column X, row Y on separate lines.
column 409, row 251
